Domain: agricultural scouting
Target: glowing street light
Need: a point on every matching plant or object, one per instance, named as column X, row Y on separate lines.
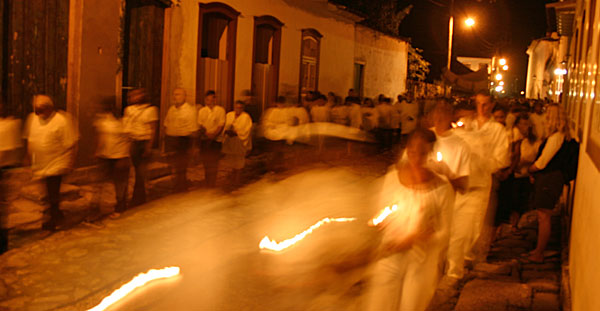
column 522, row 92
column 505, row 67
column 501, row 83
column 470, row 22
column 560, row 72
column 502, row 62
column 499, row 88
column 499, row 77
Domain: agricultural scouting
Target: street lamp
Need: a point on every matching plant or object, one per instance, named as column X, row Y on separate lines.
column 469, row 22
column 505, row 67
column 502, row 62
column 499, row 77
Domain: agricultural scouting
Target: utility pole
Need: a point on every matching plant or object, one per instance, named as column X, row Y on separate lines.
column 450, row 33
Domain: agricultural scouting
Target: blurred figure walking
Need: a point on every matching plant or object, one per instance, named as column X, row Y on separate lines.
column 51, row 144
column 113, row 151
column 140, row 122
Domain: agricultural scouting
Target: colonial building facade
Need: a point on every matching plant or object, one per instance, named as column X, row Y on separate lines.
column 83, row 51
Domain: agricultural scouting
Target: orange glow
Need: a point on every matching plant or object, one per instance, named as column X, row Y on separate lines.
column 460, row 123
column 439, row 157
column 138, row 281
column 272, row 245
column 384, row 214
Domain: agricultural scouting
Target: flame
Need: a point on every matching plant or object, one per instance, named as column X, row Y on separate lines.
column 138, row 281
column 269, row 244
column 459, row 123
column 454, row 125
column 384, row 214
column 439, row 157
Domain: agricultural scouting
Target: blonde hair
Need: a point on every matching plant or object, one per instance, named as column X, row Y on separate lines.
column 557, row 121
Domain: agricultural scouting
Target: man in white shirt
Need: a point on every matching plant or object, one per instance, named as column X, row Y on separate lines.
column 489, row 147
column 10, row 145
column 180, row 125
column 140, row 122
column 409, row 112
column 51, row 141
column 211, row 120
column 538, row 118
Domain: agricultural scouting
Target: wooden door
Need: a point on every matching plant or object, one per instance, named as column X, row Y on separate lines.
column 143, row 47
column 34, row 52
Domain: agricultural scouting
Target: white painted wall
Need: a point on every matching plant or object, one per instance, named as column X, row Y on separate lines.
column 385, row 59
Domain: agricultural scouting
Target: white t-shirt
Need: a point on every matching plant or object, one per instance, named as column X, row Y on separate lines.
column 355, row 115
column 320, row 114
column 113, row 142
column 242, row 125
column 138, row 120
column 276, row 123
column 212, row 119
column 455, row 156
column 51, row 143
column 489, row 147
column 181, row 121
column 340, row 114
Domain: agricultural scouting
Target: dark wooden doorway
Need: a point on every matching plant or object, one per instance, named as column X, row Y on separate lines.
column 265, row 60
column 143, row 47
column 310, row 52
column 34, row 53
column 217, row 31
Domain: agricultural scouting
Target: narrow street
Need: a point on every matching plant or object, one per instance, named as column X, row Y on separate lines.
column 213, row 237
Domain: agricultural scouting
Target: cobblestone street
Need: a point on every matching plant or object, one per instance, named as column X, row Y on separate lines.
column 213, row 237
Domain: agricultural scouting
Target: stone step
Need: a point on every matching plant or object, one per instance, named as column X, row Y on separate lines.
column 37, row 192
column 479, row 295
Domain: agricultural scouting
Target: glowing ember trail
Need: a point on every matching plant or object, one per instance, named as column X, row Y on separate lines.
column 384, row 214
column 269, row 244
column 138, row 281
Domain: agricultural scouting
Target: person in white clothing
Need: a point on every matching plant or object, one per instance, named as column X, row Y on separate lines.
column 237, row 141
column 385, row 110
column 275, row 128
column 538, row 118
column 140, row 121
column 10, row 147
column 414, row 236
column 211, row 121
column 370, row 115
column 489, row 147
column 51, row 142
column 319, row 111
column 113, row 152
column 180, row 126
column 409, row 112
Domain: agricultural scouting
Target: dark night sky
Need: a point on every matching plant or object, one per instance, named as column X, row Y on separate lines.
column 507, row 26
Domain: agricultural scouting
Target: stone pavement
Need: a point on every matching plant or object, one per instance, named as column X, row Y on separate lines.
column 506, row 280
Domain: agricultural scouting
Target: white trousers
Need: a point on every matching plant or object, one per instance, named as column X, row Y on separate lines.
column 467, row 221
column 401, row 282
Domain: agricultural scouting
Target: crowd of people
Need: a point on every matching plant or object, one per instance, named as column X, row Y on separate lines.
column 460, row 159
column 492, row 163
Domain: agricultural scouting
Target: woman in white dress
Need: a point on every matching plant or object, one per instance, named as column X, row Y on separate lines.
column 415, row 234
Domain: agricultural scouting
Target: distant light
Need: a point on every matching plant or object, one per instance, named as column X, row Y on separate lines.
column 492, row 83
column 503, row 92
column 550, row 92
column 560, row 72
column 469, row 22
column 505, row 67
column 499, row 88
column 499, row 77
column 522, row 92
column 502, row 62
column 501, row 83
column 439, row 157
